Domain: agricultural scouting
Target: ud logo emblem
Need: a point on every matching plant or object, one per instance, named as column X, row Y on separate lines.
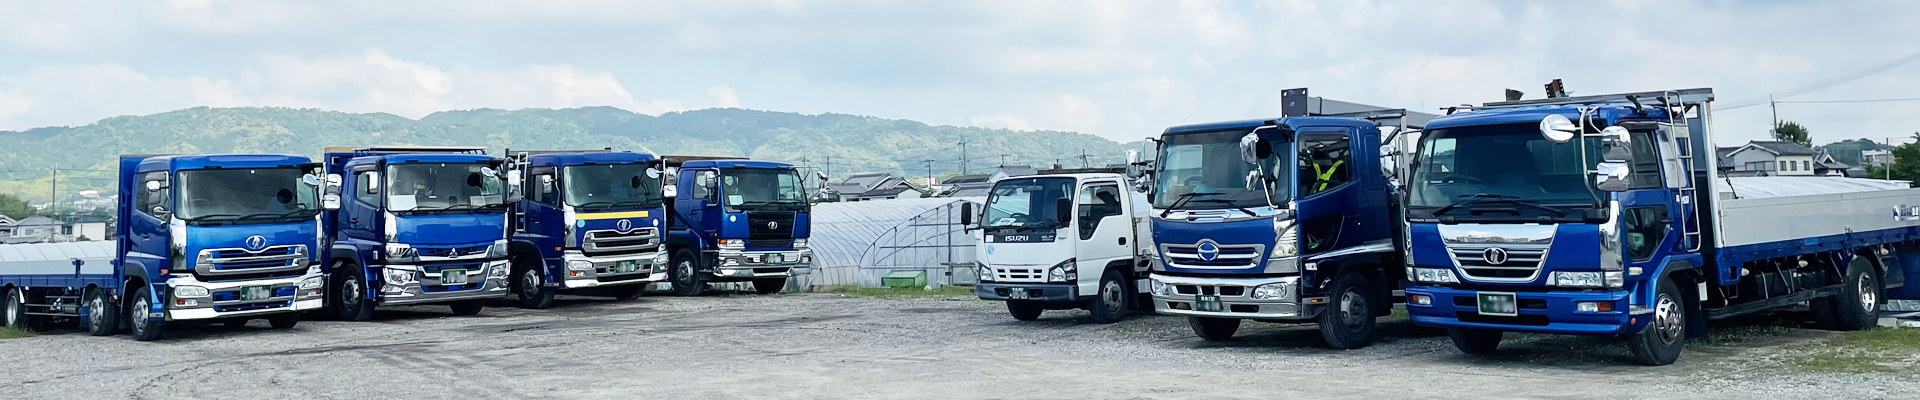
column 256, row 243
column 624, row 226
column 1494, row 255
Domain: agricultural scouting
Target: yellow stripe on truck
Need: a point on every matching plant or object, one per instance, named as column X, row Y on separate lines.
column 615, row 215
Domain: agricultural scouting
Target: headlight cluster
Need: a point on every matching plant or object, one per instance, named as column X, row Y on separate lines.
column 1271, row 291
column 800, row 243
column 498, row 249
column 1585, row 279
column 400, row 252
column 395, row 276
column 579, row 265
column 733, row 244
column 1287, row 243
column 985, row 273
column 313, row 283
column 1065, row 271
column 190, row 291
column 499, row 271
column 1432, row 275
column 1162, row 288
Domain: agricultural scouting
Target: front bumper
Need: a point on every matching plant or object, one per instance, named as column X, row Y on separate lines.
column 1236, row 299
column 761, row 264
column 224, row 302
column 1041, row 292
column 651, row 266
column 425, row 287
column 1539, row 312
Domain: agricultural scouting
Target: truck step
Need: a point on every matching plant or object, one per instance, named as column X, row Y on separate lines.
column 53, row 314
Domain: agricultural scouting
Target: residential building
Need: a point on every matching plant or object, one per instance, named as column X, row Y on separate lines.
column 35, row 230
column 6, row 226
column 1767, row 158
column 869, row 186
column 87, row 227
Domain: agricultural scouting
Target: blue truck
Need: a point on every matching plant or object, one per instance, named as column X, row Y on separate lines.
column 415, row 225
column 200, row 238
column 738, row 221
column 1279, row 220
column 1610, row 216
column 588, row 219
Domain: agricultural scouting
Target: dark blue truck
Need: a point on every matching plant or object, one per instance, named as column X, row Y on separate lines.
column 736, row 221
column 588, row 219
column 1608, row 216
column 1279, row 220
column 416, row 225
column 201, row 238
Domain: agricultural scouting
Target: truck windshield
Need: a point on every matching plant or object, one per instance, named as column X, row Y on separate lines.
column 1508, row 168
column 448, row 187
column 258, row 195
column 1023, row 202
column 1204, row 171
column 762, row 188
column 611, row 187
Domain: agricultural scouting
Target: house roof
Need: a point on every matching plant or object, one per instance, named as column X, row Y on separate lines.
column 892, row 191
column 1782, row 148
column 967, row 179
column 84, row 219
column 1016, row 170
column 37, row 221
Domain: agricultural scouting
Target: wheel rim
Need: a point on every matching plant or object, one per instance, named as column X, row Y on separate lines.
column 1868, row 300
column 685, row 268
column 1110, row 295
column 13, row 308
column 530, row 283
column 139, row 314
column 350, row 292
column 1351, row 303
column 1666, row 320
column 96, row 310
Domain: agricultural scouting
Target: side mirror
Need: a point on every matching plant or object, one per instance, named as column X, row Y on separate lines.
column 161, row 212
column 1253, row 149
column 1143, row 184
column 330, row 194
column 153, row 185
column 1389, row 165
column 669, row 190
column 820, row 176
column 1618, row 145
column 966, row 214
column 653, row 173
column 1558, row 128
column 373, row 183
column 1253, row 180
column 1133, row 164
column 1613, row 176
column 1064, row 209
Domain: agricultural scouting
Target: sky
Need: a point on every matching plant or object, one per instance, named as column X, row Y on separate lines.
column 1119, row 69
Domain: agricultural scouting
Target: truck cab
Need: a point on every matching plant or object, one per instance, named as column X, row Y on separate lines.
column 416, row 225
column 1063, row 240
column 589, row 219
column 737, row 221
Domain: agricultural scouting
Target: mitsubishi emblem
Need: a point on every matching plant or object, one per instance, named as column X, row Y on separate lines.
column 624, row 225
column 1494, row 255
column 1208, row 250
column 256, row 243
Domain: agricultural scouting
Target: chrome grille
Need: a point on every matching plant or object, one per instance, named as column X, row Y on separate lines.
column 1020, row 274
column 229, row 261
column 1230, row 256
column 1522, row 263
column 603, row 241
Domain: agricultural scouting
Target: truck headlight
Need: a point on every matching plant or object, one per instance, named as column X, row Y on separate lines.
column 1271, row 291
column 1433, row 275
column 1584, row 279
column 395, row 276
column 733, row 244
column 1287, row 243
column 312, row 283
column 660, row 258
column 190, row 291
column 399, row 251
column 579, row 265
column 985, row 273
column 800, row 243
column 1162, row 288
column 498, row 249
column 1065, row 271
column 498, row 271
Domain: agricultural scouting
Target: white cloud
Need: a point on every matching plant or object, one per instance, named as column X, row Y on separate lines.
column 724, row 97
column 1000, row 121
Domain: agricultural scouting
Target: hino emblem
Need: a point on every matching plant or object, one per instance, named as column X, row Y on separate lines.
column 1208, row 250
column 256, row 243
column 1494, row 255
column 772, row 225
column 624, row 225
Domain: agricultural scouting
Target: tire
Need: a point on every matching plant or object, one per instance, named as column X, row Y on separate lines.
column 143, row 328
column 1858, row 305
column 1348, row 322
column 1475, row 341
column 628, row 292
column 528, row 286
column 1214, row 329
column 686, row 281
column 1666, row 333
column 769, row 285
column 284, row 321
column 469, row 307
column 14, row 313
column 1024, row 310
column 348, row 302
column 1110, row 302
column 103, row 315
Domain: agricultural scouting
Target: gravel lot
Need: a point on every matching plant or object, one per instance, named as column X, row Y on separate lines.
column 834, row 346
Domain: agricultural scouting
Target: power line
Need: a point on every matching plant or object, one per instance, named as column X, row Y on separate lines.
column 1851, row 101
column 1870, row 71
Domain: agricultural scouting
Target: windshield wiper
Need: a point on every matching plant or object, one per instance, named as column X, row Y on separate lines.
column 1184, row 198
column 210, row 217
column 1501, row 198
column 1229, row 203
column 275, row 216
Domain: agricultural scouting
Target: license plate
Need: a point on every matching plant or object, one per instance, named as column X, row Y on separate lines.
column 256, row 293
column 776, row 258
column 1206, row 303
column 1500, row 304
column 1017, row 293
column 626, row 266
column 453, row 277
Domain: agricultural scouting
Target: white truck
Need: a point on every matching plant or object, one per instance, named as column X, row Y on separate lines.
column 1063, row 239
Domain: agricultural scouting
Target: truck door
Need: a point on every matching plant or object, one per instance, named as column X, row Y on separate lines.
column 706, row 194
column 1329, row 200
column 363, row 212
column 147, row 224
column 543, row 206
column 1103, row 228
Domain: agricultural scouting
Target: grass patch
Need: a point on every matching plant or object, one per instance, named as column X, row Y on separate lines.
column 8, row 332
column 1878, row 350
column 882, row 292
column 1736, row 335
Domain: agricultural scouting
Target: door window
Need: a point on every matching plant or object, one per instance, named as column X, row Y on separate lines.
column 365, row 192
column 1645, row 227
column 546, row 190
column 1096, row 203
column 1326, row 162
column 155, row 202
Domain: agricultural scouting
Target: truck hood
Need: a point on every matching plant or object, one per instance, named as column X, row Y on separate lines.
column 1247, row 232
column 450, row 228
column 237, row 237
column 584, row 221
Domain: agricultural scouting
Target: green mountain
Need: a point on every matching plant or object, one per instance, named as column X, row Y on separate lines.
column 844, row 144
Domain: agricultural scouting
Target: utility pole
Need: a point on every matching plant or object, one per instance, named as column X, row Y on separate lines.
column 1775, row 105
column 963, row 157
column 53, row 197
column 1083, row 158
column 829, row 168
column 929, row 176
column 1003, row 160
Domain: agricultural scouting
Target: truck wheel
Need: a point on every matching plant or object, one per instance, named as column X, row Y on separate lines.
column 469, row 307
column 16, row 308
column 284, row 320
column 1110, row 304
column 144, row 329
column 1858, row 304
column 1475, row 341
column 1024, row 310
column 1660, row 343
column 686, row 282
column 532, row 295
column 769, row 285
column 1348, row 322
column 103, row 316
column 349, row 302
column 628, row 292
column 1214, row 329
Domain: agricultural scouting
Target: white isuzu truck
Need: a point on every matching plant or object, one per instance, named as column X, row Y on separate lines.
column 1063, row 239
